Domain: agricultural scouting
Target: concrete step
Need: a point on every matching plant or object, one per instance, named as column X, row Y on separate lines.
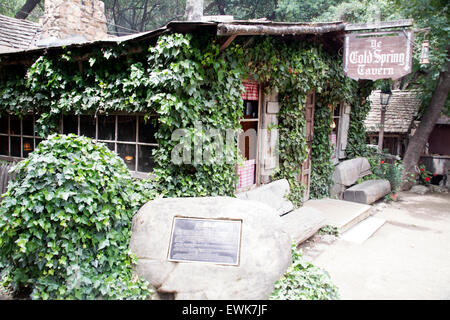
column 339, row 213
column 302, row 223
column 363, row 230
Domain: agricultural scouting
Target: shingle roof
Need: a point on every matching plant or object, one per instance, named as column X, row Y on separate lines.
column 270, row 28
column 401, row 110
column 17, row 34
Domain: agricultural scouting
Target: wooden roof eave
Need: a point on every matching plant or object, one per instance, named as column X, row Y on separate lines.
column 229, row 29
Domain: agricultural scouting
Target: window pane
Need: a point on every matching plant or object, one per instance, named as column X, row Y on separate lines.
column 27, row 146
column 15, row 125
column 4, row 145
column 4, row 124
column 336, row 110
column 87, row 126
column 148, row 130
column 128, row 153
column 145, row 163
column 109, row 145
column 106, row 127
column 126, row 127
column 250, row 109
column 15, row 147
column 27, row 123
column 70, row 124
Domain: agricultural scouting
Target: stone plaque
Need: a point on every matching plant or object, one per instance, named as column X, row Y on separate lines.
column 380, row 55
column 205, row 240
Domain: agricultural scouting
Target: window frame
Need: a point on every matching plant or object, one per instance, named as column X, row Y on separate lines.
column 21, row 136
column 340, row 105
column 258, row 122
column 134, row 173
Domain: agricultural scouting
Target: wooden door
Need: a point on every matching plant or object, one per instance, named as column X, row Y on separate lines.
column 306, row 165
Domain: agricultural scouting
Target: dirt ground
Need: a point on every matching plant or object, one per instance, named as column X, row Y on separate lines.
column 407, row 258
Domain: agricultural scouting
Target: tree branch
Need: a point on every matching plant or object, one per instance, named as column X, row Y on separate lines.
column 26, row 9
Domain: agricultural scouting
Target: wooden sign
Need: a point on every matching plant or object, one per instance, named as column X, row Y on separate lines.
column 380, row 55
column 205, row 240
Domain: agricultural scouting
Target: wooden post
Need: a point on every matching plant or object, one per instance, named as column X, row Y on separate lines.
column 381, row 133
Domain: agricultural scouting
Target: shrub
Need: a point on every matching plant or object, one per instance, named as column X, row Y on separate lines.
column 391, row 172
column 423, row 176
column 304, row 281
column 65, row 223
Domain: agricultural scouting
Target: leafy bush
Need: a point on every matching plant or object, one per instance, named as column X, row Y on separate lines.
column 65, row 223
column 423, row 176
column 304, row 281
column 391, row 172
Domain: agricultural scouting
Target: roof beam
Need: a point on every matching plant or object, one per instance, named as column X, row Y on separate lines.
column 379, row 25
column 227, row 42
column 226, row 29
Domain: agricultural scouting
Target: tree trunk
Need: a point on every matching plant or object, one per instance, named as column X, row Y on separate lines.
column 26, row 9
column 417, row 142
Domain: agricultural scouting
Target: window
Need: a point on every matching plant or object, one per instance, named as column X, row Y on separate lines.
column 17, row 136
column 130, row 136
column 248, row 139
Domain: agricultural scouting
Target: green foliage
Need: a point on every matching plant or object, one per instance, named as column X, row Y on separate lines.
column 189, row 84
column 338, row 89
column 359, row 11
column 329, row 230
column 12, row 7
column 356, row 143
column 304, row 281
column 199, row 90
column 301, row 10
column 432, row 14
column 423, row 175
column 391, row 172
column 183, row 79
column 66, row 223
column 294, row 69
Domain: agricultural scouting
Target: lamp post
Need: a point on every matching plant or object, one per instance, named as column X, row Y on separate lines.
column 385, row 95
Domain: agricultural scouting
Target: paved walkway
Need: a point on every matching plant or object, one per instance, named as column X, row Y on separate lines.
column 408, row 257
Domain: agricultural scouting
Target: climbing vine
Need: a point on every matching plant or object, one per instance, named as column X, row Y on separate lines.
column 183, row 79
column 190, row 84
column 357, row 146
column 296, row 68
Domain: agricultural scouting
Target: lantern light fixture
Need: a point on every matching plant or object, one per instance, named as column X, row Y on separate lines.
column 425, row 54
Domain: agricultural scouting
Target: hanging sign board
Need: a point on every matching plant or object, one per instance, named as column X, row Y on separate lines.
column 380, row 55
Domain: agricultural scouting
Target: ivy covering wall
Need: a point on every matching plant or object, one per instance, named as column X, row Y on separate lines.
column 295, row 68
column 190, row 84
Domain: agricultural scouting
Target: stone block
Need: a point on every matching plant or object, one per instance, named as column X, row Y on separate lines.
column 419, row 189
column 368, row 192
column 303, row 223
column 349, row 171
column 265, row 250
column 272, row 194
column 337, row 190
